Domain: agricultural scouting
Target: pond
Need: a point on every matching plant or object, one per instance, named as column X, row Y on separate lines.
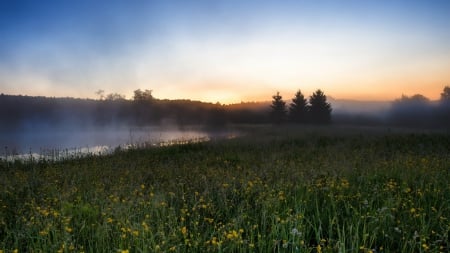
column 55, row 144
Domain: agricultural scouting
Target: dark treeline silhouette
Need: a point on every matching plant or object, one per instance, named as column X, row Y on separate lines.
column 29, row 113
column 316, row 110
column 419, row 111
column 415, row 111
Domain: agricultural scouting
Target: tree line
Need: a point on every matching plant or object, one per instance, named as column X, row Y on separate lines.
column 316, row 110
column 419, row 111
column 27, row 112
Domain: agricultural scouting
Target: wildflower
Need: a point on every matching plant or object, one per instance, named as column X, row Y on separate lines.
column 285, row 244
column 281, row 196
column 184, row 231
column 232, row 235
column 416, row 235
column 124, row 251
column 319, row 249
column 295, row 232
column 209, row 220
column 345, row 183
column 145, row 226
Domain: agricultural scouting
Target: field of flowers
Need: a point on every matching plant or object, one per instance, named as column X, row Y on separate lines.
column 271, row 190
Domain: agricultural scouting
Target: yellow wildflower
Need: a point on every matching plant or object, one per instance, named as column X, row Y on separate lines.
column 184, row 230
column 319, row 249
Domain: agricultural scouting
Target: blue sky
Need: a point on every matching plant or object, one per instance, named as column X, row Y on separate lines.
column 227, row 51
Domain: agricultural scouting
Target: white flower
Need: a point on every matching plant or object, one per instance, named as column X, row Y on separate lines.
column 295, row 232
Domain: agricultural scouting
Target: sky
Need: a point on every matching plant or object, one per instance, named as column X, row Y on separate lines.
column 225, row 51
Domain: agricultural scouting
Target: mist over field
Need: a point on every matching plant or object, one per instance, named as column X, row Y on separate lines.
column 33, row 124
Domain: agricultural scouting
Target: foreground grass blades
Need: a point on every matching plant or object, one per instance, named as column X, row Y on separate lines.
column 270, row 191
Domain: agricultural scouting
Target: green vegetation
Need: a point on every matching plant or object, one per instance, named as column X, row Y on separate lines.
column 275, row 190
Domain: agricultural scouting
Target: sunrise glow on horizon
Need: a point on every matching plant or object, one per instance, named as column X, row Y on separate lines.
column 225, row 51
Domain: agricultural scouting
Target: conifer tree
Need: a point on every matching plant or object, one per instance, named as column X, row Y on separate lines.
column 298, row 109
column 279, row 111
column 319, row 108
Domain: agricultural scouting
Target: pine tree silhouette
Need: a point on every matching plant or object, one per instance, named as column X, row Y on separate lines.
column 279, row 111
column 298, row 109
column 319, row 108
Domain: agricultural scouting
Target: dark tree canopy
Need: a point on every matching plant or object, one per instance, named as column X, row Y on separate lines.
column 145, row 95
column 445, row 95
column 415, row 99
column 115, row 96
column 279, row 110
column 298, row 109
column 319, row 108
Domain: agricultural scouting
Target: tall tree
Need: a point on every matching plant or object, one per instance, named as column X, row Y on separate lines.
column 319, row 108
column 279, row 110
column 100, row 94
column 445, row 95
column 298, row 109
column 444, row 108
column 140, row 95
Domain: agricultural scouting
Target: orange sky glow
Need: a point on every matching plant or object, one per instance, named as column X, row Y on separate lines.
column 227, row 51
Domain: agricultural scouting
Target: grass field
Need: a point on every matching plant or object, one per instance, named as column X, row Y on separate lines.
column 271, row 190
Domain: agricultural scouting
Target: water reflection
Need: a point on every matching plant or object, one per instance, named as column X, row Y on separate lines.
column 59, row 144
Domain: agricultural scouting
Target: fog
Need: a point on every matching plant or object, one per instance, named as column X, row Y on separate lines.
column 415, row 111
column 57, row 142
column 40, row 126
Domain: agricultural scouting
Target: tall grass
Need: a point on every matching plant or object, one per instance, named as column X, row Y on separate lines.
column 270, row 191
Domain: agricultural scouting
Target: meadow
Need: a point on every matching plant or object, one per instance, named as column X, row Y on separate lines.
column 274, row 189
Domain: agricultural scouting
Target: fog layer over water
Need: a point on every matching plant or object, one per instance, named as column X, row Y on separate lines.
column 98, row 140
